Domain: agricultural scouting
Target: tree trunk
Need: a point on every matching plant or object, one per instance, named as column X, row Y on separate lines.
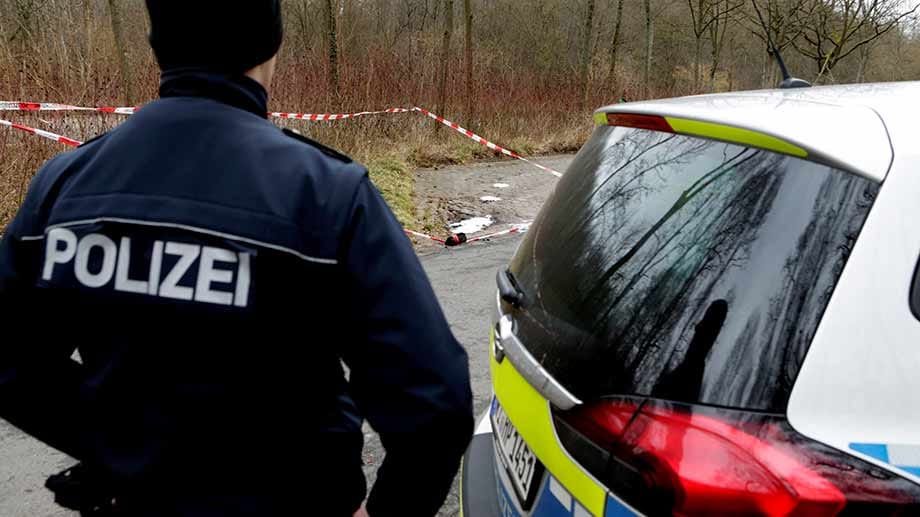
column 717, row 31
column 649, row 42
column 445, row 58
column 343, row 29
column 697, row 57
column 714, row 67
column 616, row 43
column 766, row 70
column 122, row 52
column 468, row 53
column 332, row 43
column 585, row 65
column 87, row 53
column 864, row 53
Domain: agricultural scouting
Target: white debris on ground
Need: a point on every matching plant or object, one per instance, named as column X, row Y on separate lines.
column 472, row 225
column 489, row 199
column 522, row 227
column 501, row 185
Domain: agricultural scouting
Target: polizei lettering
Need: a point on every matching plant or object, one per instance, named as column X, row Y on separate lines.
column 218, row 276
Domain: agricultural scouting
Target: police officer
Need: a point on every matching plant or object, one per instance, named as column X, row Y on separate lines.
column 214, row 273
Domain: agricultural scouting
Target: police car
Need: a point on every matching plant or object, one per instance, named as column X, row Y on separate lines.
column 717, row 312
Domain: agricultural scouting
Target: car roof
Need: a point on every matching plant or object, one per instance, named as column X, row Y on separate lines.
column 845, row 126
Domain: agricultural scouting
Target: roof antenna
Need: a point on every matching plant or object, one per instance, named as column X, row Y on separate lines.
column 788, row 80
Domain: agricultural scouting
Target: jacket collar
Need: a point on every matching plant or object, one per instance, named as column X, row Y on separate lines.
column 238, row 91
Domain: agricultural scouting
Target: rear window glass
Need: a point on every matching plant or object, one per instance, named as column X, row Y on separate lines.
column 684, row 268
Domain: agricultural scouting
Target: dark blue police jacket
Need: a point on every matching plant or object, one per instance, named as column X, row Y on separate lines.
column 214, row 273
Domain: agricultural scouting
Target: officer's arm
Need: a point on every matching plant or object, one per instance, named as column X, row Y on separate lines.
column 409, row 375
column 38, row 380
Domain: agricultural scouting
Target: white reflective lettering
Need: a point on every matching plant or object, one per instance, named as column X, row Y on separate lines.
column 122, row 273
column 208, row 275
column 53, row 252
column 109, row 254
column 241, row 297
column 187, row 254
column 156, row 263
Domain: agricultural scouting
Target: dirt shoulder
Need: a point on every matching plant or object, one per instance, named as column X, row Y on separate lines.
column 452, row 194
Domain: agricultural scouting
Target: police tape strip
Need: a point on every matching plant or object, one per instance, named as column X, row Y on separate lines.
column 480, row 140
column 51, row 136
column 424, row 236
column 335, row 116
column 518, row 228
column 48, row 106
column 459, row 239
column 38, row 106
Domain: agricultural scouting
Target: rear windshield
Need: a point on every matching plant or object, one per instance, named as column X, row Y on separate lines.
column 684, row 268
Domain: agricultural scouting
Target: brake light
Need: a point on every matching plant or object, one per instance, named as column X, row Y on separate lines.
column 676, row 459
column 651, row 122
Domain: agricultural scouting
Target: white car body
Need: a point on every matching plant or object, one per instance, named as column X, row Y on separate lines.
column 858, row 389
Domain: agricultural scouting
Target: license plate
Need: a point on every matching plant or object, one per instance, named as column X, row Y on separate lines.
column 517, row 458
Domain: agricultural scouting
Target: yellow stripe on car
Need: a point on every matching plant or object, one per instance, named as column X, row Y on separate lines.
column 734, row 135
column 712, row 130
column 530, row 414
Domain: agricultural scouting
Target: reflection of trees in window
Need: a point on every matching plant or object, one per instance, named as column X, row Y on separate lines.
column 635, row 267
column 623, row 271
column 646, row 326
column 625, row 179
column 779, row 346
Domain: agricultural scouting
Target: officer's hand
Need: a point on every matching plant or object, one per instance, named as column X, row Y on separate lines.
column 362, row 512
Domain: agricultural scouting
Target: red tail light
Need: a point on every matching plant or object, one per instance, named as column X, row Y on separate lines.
column 675, row 459
column 650, row 122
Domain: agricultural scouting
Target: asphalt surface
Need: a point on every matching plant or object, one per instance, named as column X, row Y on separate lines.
column 463, row 278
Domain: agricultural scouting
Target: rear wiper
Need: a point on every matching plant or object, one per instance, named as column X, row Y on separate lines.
column 508, row 288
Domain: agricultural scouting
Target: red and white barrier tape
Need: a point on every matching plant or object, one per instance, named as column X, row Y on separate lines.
column 335, row 116
column 48, row 106
column 518, row 228
column 39, row 106
column 454, row 240
column 424, row 236
column 461, row 238
column 51, row 136
column 480, row 140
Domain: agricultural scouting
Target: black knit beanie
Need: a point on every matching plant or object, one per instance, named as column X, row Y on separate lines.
column 230, row 36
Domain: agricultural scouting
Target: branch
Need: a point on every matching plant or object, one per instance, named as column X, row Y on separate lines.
column 879, row 32
column 693, row 19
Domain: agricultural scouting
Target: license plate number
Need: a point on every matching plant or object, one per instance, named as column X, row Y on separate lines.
column 517, row 458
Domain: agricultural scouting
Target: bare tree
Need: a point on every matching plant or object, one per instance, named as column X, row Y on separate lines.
column 585, row 60
column 333, row 46
column 122, row 52
column 445, row 57
column 784, row 22
column 25, row 11
column 615, row 48
column 836, row 28
column 468, row 59
column 717, row 31
column 649, row 42
column 708, row 17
